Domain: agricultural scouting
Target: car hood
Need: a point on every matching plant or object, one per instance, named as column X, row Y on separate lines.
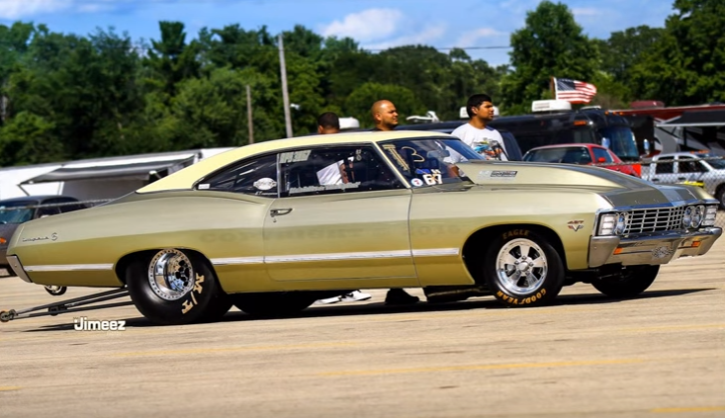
column 620, row 190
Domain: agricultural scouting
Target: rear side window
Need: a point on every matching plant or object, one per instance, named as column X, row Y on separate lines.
column 48, row 211
column 578, row 155
column 256, row 176
column 602, row 153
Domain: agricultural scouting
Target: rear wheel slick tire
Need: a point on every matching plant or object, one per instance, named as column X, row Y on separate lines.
column 175, row 287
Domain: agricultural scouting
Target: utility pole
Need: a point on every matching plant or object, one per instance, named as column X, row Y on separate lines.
column 3, row 103
column 285, row 95
column 249, row 115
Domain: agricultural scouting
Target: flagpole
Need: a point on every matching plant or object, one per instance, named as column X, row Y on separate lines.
column 552, row 85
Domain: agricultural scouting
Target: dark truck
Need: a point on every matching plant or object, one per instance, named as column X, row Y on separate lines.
column 18, row 210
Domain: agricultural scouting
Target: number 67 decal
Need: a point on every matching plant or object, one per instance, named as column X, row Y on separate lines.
column 434, row 178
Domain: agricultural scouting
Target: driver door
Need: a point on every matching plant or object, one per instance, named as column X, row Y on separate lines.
column 329, row 225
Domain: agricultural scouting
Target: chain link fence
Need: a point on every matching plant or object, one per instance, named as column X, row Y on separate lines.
column 707, row 173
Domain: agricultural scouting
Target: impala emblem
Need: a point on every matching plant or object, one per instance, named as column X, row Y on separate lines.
column 575, row 225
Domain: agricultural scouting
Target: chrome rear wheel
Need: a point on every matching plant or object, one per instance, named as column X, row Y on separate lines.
column 171, row 274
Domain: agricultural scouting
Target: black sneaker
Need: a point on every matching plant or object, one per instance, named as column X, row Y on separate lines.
column 400, row 297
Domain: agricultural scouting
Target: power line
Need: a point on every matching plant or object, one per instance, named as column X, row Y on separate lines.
column 447, row 48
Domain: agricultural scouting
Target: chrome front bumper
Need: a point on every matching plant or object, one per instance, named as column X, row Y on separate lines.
column 651, row 250
column 18, row 268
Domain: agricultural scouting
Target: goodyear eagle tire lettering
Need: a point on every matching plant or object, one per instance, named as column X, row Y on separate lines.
column 176, row 287
column 523, row 269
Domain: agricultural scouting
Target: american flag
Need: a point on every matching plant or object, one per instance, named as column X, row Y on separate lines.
column 574, row 91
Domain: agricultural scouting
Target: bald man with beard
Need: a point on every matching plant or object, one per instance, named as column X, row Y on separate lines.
column 385, row 116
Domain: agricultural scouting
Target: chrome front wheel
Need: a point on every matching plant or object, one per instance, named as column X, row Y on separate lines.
column 521, row 266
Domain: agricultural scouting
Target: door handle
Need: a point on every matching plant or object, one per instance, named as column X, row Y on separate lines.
column 280, row 212
column 681, row 178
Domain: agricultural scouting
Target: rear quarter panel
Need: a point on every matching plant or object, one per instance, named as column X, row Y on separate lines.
column 218, row 225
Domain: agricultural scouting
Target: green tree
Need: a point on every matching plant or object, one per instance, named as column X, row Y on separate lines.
column 171, row 60
column 211, row 111
column 14, row 42
column 624, row 49
column 360, row 101
column 29, row 139
column 686, row 65
column 550, row 45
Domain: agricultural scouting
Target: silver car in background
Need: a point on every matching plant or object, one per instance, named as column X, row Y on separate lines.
column 689, row 168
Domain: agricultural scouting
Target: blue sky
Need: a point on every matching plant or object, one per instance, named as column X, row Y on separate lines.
column 376, row 25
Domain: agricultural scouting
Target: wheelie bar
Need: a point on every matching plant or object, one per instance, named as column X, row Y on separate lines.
column 63, row 306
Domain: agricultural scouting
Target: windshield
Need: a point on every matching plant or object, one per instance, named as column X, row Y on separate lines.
column 621, row 142
column 430, row 161
column 579, row 135
column 716, row 164
column 567, row 155
column 15, row 213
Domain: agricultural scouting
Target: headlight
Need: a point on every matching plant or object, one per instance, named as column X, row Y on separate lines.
column 607, row 223
column 687, row 217
column 710, row 215
column 612, row 223
column 697, row 215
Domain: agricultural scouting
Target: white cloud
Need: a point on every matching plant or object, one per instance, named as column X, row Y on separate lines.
column 471, row 38
column 368, row 25
column 429, row 34
column 584, row 11
column 15, row 9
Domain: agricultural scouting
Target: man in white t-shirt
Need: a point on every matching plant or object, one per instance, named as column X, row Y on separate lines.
column 477, row 134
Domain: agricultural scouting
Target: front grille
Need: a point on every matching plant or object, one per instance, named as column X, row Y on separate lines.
column 654, row 220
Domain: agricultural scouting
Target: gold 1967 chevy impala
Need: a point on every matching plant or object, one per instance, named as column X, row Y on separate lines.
column 274, row 226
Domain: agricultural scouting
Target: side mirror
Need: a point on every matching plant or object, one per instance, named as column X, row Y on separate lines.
column 602, row 160
column 646, row 146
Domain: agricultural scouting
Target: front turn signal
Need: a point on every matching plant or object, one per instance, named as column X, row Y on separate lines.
column 3, row 241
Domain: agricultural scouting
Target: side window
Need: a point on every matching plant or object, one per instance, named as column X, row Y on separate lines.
column 70, row 208
column 64, row 205
column 256, row 176
column 579, row 155
column 328, row 170
column 688, row 165
column 48, row 210
column 601, row 153
column 665, row 165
